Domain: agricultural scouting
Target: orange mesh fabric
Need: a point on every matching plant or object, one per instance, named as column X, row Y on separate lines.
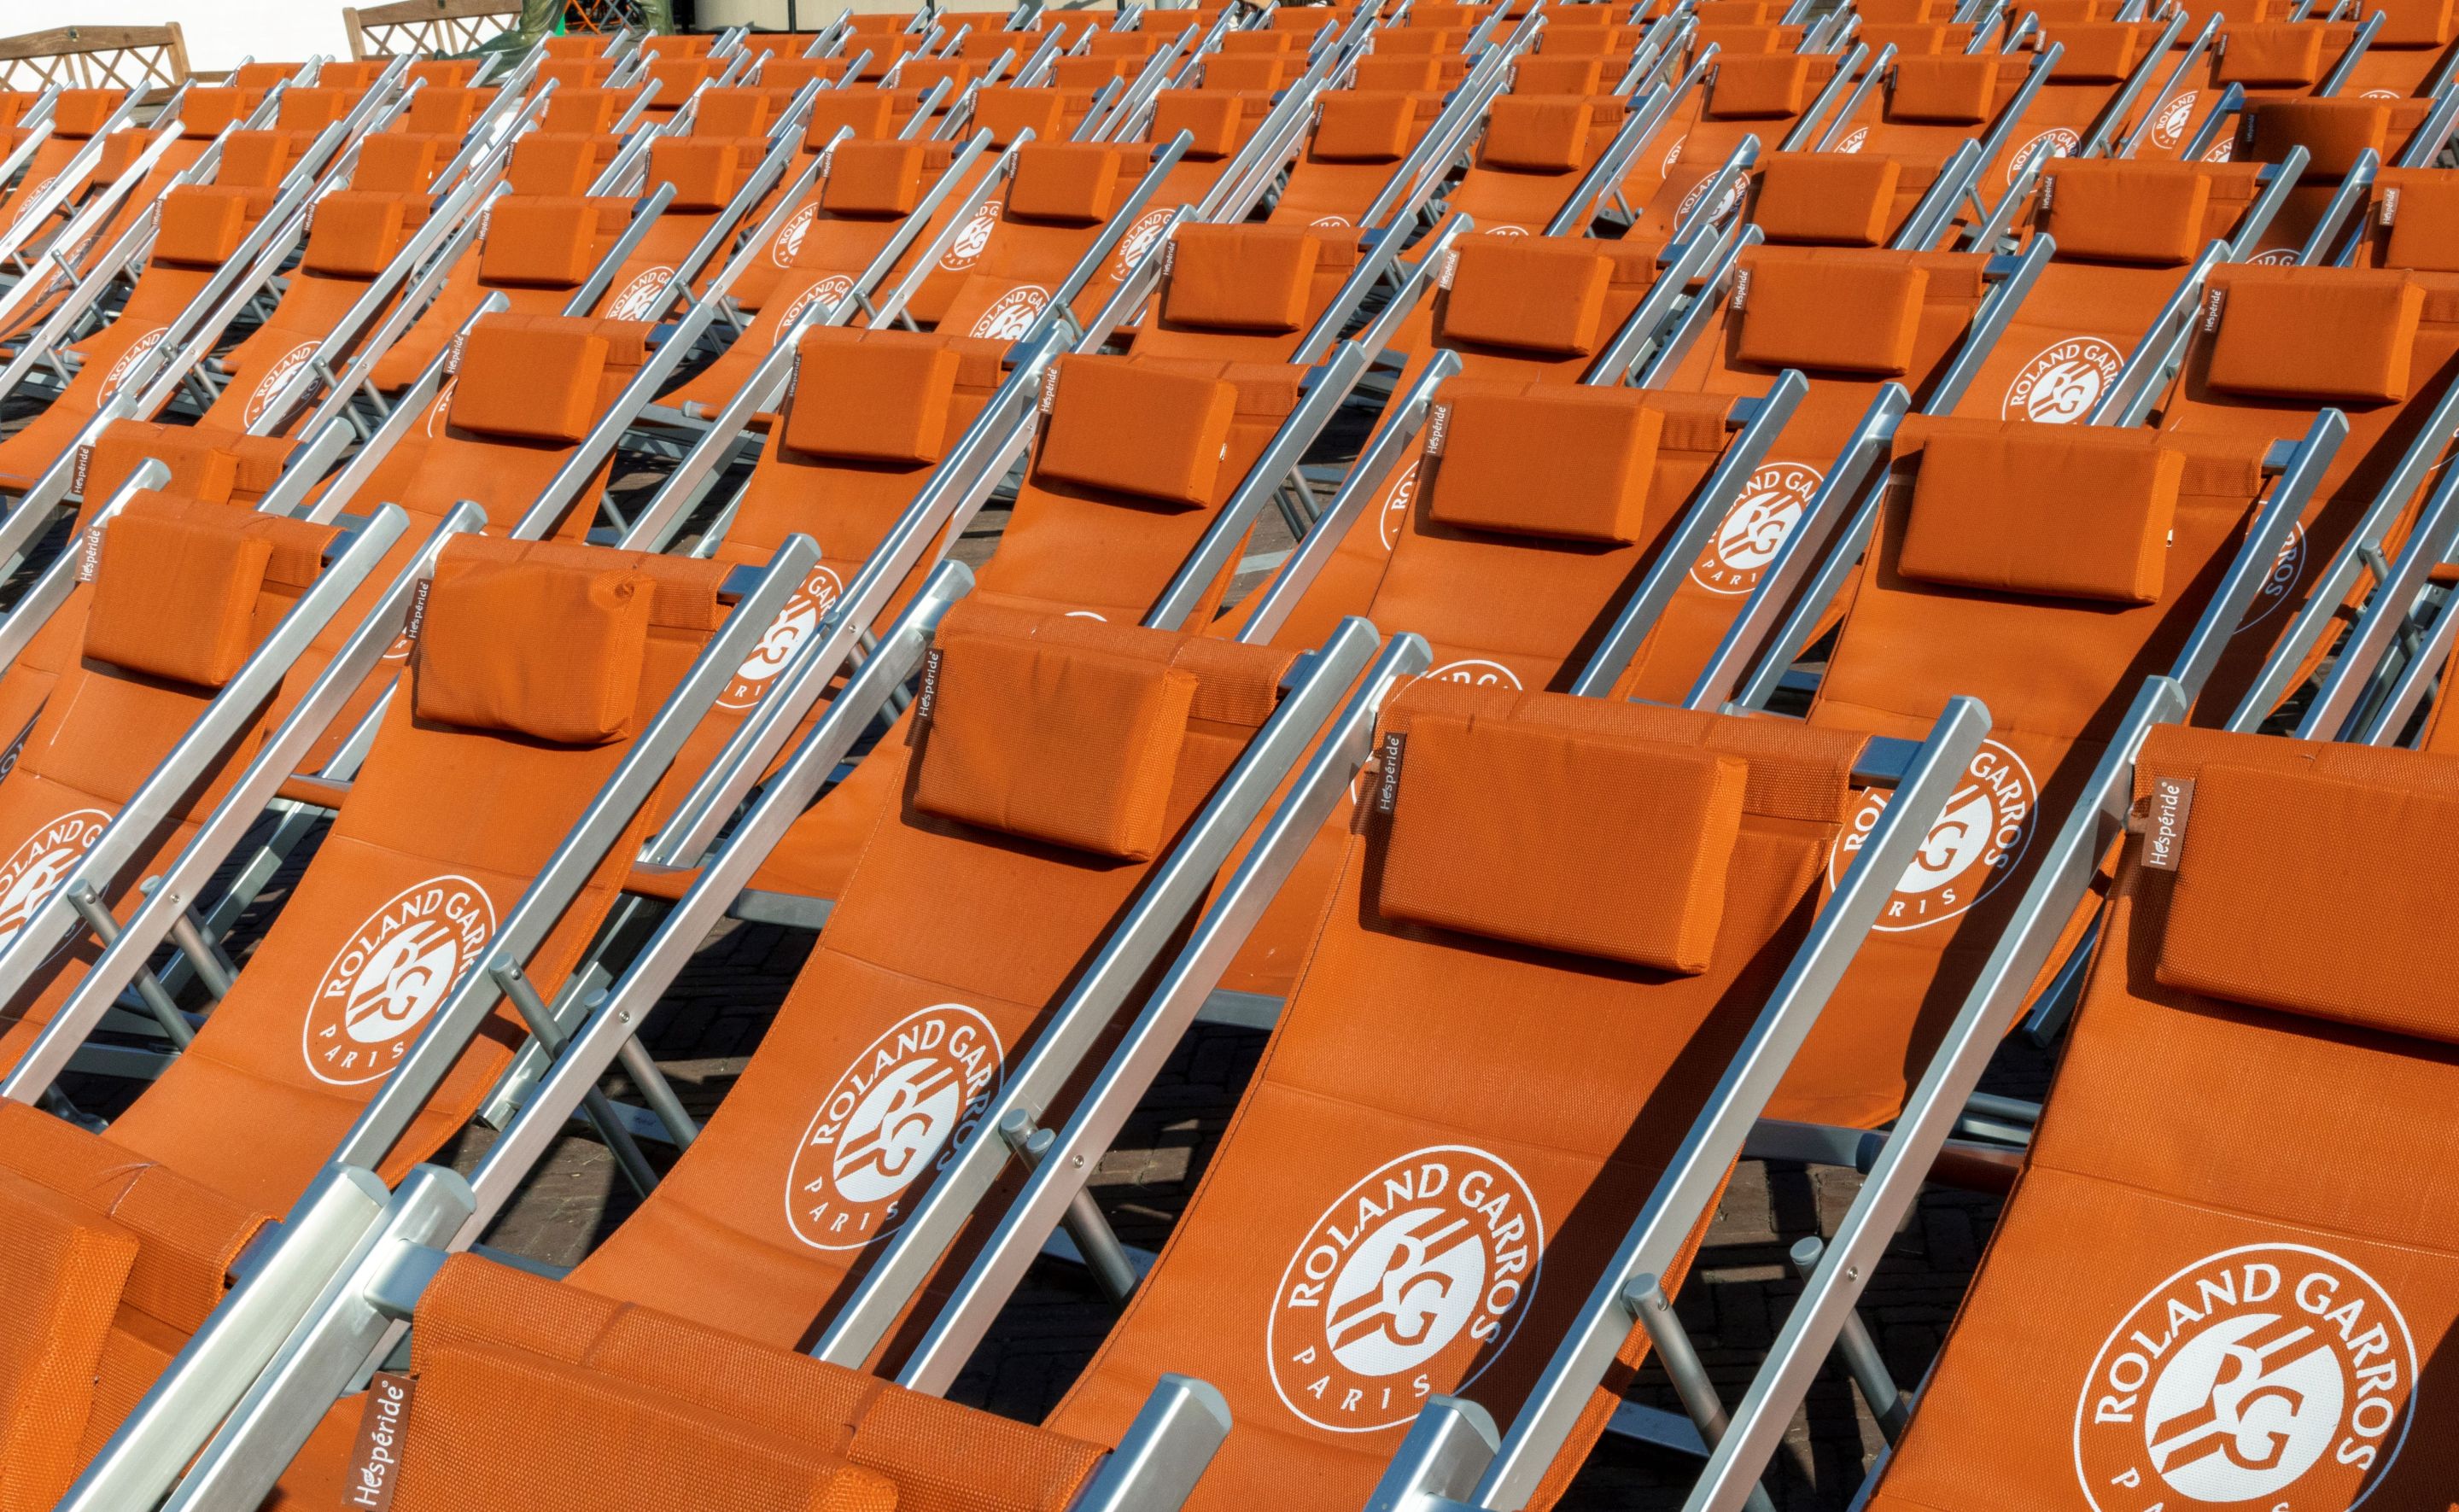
column 1639, row 836
column 533, row 647
column 1062, row 744
column 1543, row 296
column 2273, row 340
column 1802, row 311
column 63, row 1266
column 533, row 378
column 1240, row 278
column 874, row 397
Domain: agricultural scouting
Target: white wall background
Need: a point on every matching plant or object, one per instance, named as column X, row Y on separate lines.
column 220, row 32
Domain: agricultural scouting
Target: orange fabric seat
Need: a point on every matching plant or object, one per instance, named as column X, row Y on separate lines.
column 2226, row 1015
column 398, row 902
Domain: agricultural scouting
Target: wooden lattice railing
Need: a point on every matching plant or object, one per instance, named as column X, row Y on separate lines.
column 428, row 27
column 96, row 57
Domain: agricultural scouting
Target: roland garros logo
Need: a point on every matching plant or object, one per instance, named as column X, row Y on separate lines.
column 1410, row 1283
column 129, row 359
column 30, row 197
column 639, row 296
column 2280, row 584
column 1748, row 537
column 1725, row 202
column 2056, row 141
column 2168, row 126
column 911, row 1098
column 392, row 974
column 1012, row 314
column 975, row 236
column 1971, row 848
column 1858, row 138
column 276, row 379
column 2271, row 1376
column 788, row 239
column 2060, row 386
column 1673, row 156
column 1396, row 505
column 1476, row 672
column 803, row 609
column 36, row 867
column 1138, row 241
column 831, row 288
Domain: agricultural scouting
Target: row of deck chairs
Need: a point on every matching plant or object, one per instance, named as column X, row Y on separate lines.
column 1644, row 585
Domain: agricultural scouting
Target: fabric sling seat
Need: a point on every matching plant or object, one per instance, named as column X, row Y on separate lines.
column 1927, row 107
column 867, row 194
column 2126, row 234
column 1761, row 94
column 1357, row 142
column 2412, row 49
column 77, row 115
column 2335, row 133
column 708, row 175
column 95, row 703
column 398, row 902
column 1512, row 550
column 750, row 1236
column 1136, row 460
column 1060, row 202
column 1851, row 320
column 1535, row 151
column 872, row 114
column 2275, row 347
column 1408, row 972
column 536, row 246
column 1219, row 122
column 2049, row 573
column 353, row 241
column 1511, row 309
column 2226, row 1020
column 201, row 228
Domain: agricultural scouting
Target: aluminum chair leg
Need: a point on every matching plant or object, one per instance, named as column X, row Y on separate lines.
column 1859, row 1352
column 1670, row 1342
column 1094, row 1237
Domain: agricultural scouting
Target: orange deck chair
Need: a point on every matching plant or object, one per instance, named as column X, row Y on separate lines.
column 400, row 902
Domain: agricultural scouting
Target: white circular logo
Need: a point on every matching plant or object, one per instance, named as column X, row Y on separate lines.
column 1138, row 241
column 805, row 609
column 912, row 1095
column 1854, row 142
column 1329, row 221
column 2390, row 95
column 1725, row 202
column 128, row 361
column 831, row 288
column 30, row 196
column 442, row 407
column 2280, row 584
column 639, row 296
column 36, row 866
column 788, row 239
column 2061, row 384
column 2057, row 141
column 1409, row 1284
column 1506, row 230
column 1756, row 527
column 975, row 236
column 1476, row 672
column 1976, row 842
column 2278, row 1378
column 1012, row 314
column 1673, row 156
column 1396, row 505
column 2168, row 126
column 2275, row 257
column 394, row 971
column 276, row 379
